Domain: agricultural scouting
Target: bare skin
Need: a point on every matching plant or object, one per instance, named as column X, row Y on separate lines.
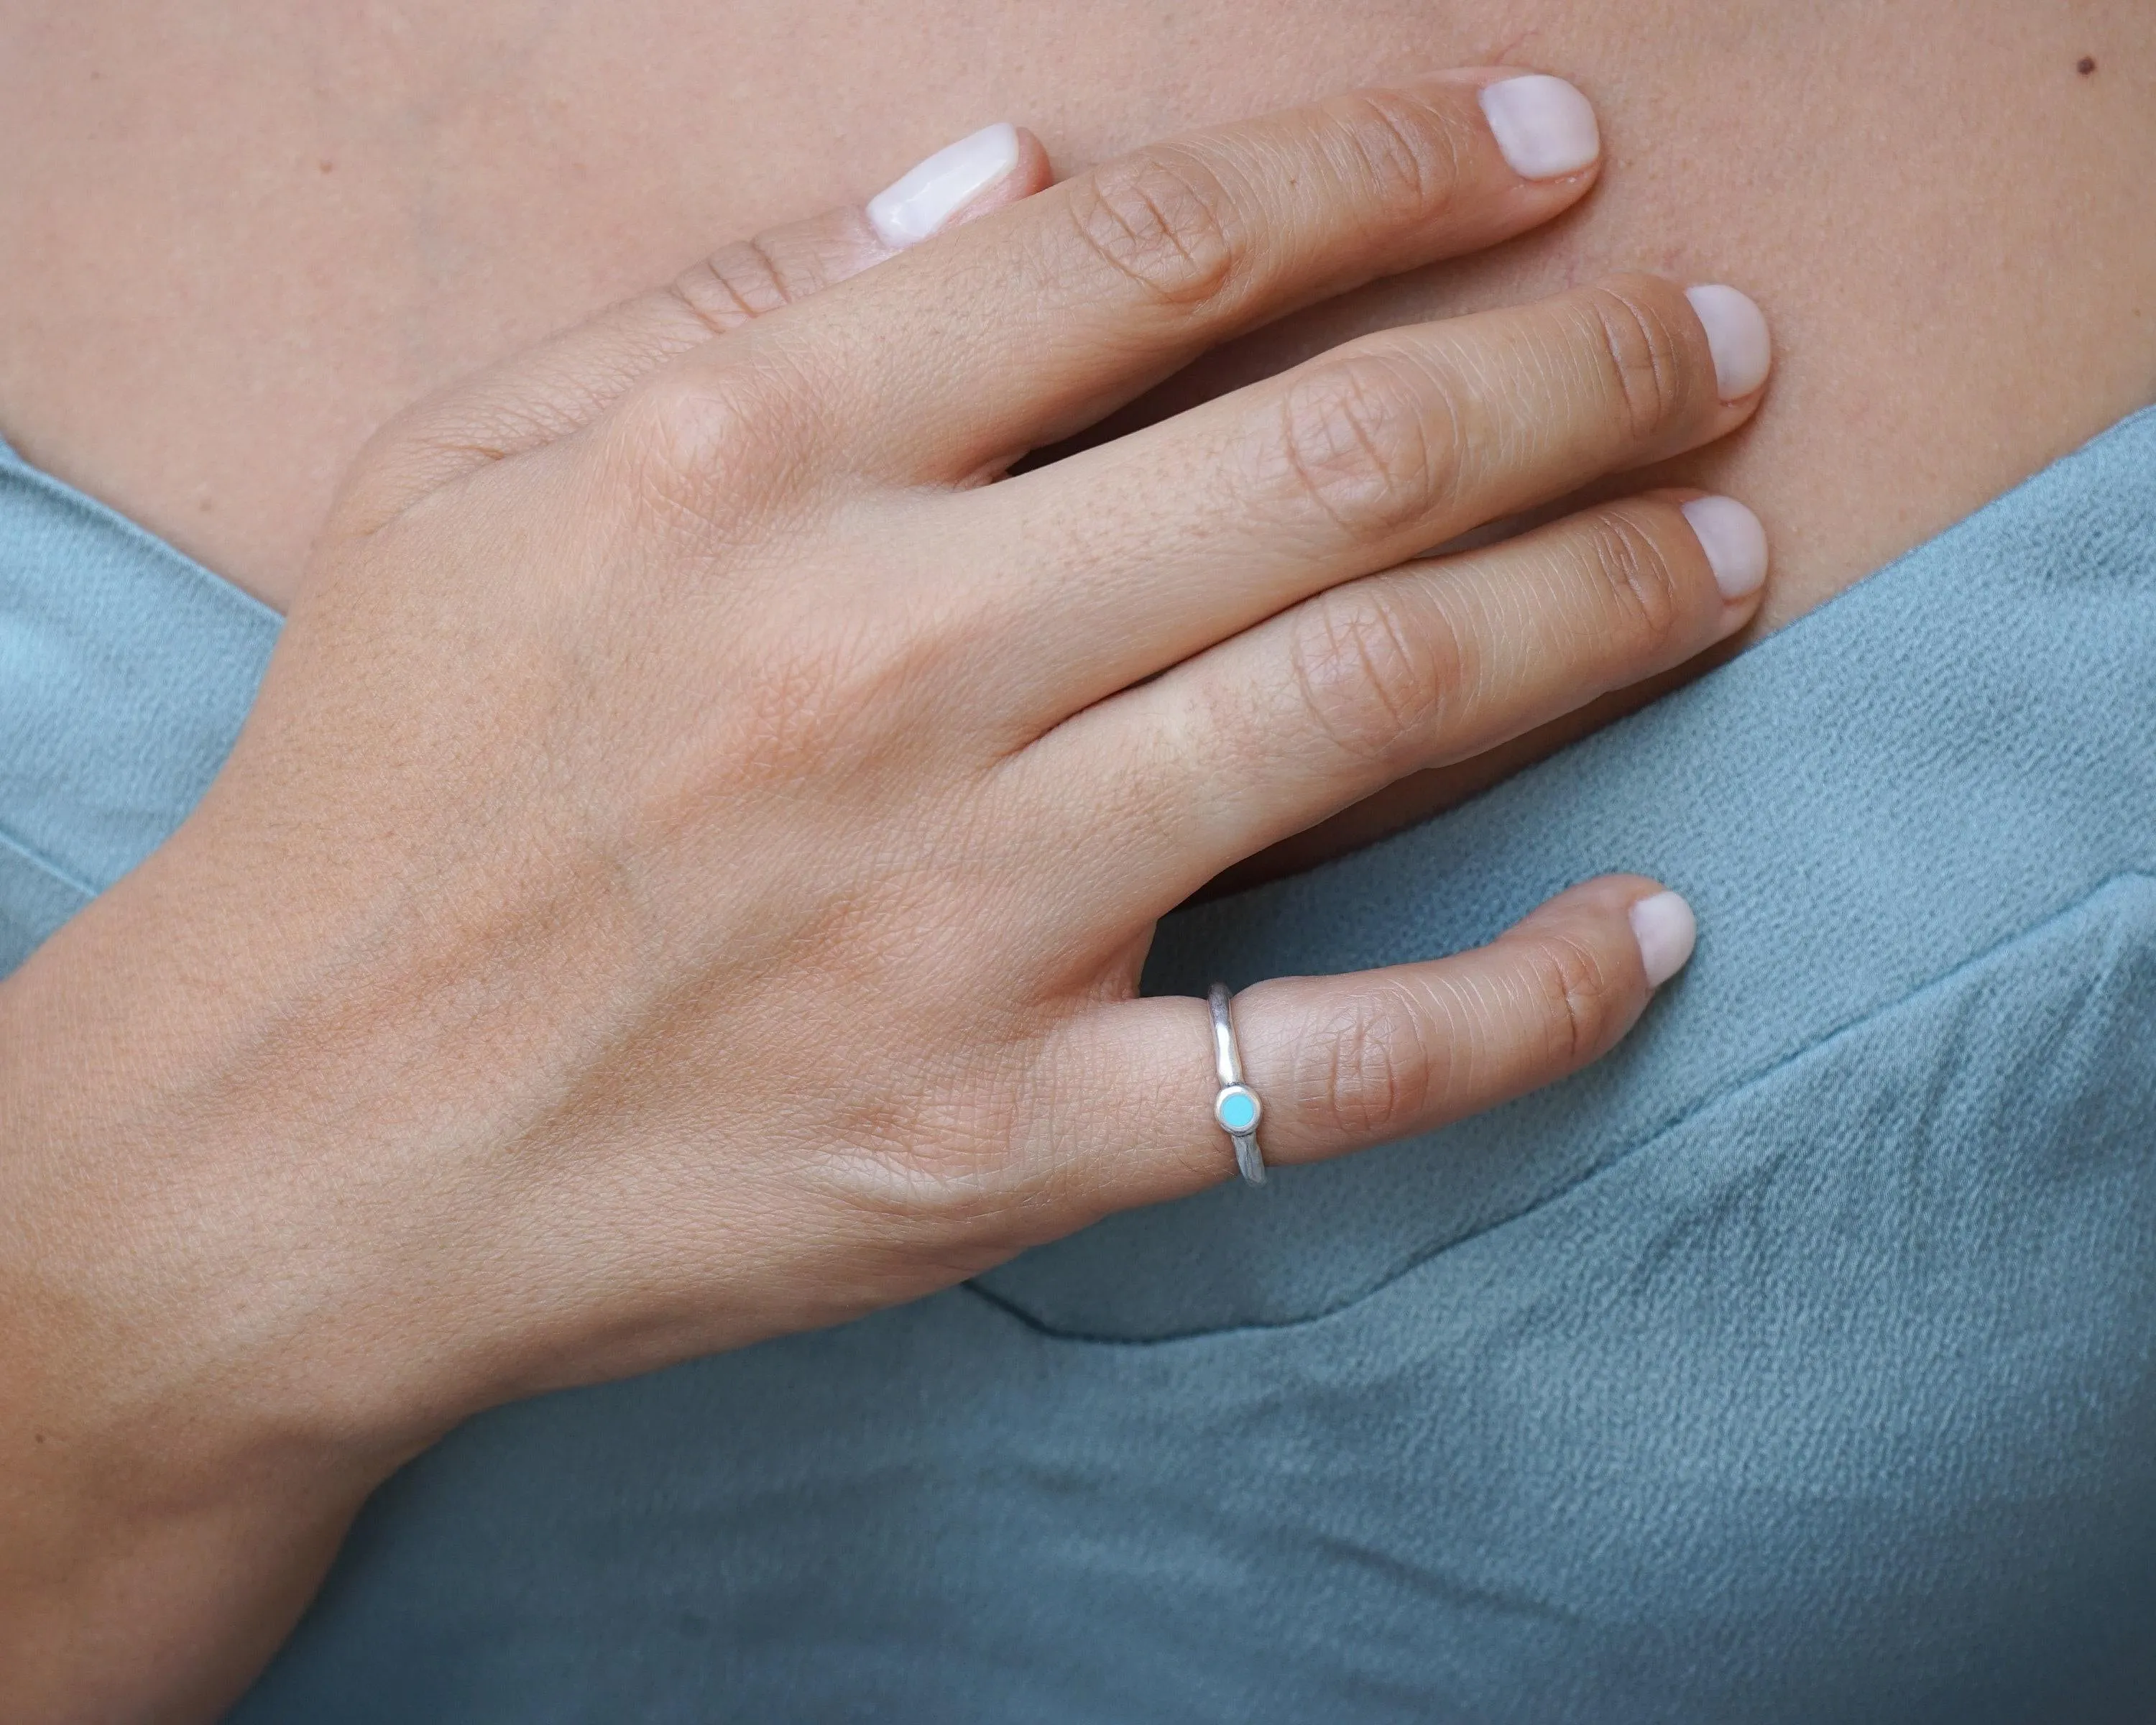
column 212, row 300
column 374, row 205
column 679, row 684
column 239, row 238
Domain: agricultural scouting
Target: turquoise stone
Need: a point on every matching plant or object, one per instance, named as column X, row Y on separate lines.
column 1236, row 1109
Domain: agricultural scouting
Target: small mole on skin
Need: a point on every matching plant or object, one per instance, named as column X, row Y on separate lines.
column 2085, row 65
column 325, row 166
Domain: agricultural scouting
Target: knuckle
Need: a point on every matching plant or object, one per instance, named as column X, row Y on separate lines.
column 1373, row 1066
column 1409, row 156
column 684, row 430
column 1578, row 1004
column 1645, row 353
column 714, row 442
column 1364, row 441
column 1162, row 219
column 1643, row 608
column 1372, row 670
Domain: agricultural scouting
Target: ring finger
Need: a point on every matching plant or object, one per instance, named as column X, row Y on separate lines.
column 1275, row 729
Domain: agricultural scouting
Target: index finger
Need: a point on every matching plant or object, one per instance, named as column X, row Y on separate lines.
column 566, row 381
column 1020, row 328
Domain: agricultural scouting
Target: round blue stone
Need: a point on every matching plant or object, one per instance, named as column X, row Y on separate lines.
column 1236, row 1109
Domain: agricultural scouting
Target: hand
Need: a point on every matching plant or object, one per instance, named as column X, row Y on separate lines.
column 686, row 875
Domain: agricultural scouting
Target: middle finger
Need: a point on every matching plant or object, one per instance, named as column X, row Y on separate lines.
column 1186, row 533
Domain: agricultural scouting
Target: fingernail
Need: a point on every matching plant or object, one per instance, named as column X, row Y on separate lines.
column 917, row 204
column 1737, row 332
column 1663, row 925
column 1544, row 126
column 1734, row 541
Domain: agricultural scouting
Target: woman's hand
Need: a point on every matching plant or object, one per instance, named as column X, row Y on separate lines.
column 686, row 877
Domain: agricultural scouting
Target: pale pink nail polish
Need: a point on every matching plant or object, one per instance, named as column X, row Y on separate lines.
column 1736, row 334
column 928, row 195
column 1662, row 924
column 1734, row 541
column 1545, row 129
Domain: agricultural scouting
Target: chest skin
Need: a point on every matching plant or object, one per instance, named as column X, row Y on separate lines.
column 236, row 240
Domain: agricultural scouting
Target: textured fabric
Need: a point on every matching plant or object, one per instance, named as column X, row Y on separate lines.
column 124, row 670
column 1798, row 1364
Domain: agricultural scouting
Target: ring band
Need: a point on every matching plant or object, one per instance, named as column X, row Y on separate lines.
column 1237, row 1106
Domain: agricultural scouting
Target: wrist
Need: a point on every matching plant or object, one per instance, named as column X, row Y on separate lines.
column 173, row 1485
column 174, row 1271
column 137, row 1586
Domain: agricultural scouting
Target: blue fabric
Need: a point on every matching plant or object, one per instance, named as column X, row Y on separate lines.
column 126, row 668
column 1798, row 1364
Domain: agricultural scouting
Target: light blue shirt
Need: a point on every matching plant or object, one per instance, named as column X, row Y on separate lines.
column 1795, row 1363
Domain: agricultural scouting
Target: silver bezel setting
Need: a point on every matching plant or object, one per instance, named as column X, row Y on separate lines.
column 1231, row 1092
column 1228, row 1067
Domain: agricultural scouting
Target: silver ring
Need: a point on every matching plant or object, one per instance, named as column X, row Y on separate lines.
column 1237, row 1106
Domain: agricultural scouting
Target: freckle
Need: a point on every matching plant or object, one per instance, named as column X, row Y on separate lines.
column 2085, row 65
column 205, row 506
column 325, row 166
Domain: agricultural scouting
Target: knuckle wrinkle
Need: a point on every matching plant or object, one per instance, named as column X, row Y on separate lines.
column 1372, row 448
column 1578, row 1000
column 736, row 284
column 1646, row 610
column 1379, row 1067
column 1408, row 154
column 1645, row 356
column 1372, row 672
column 1163, row 221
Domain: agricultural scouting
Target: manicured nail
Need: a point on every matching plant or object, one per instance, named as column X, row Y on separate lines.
column 1544, row 126
column 1663, row 925
column 915, row 205
column 1737, row 332
column 1734, row 541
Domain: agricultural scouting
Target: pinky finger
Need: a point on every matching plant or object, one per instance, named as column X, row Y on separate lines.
column 1344, row 1063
